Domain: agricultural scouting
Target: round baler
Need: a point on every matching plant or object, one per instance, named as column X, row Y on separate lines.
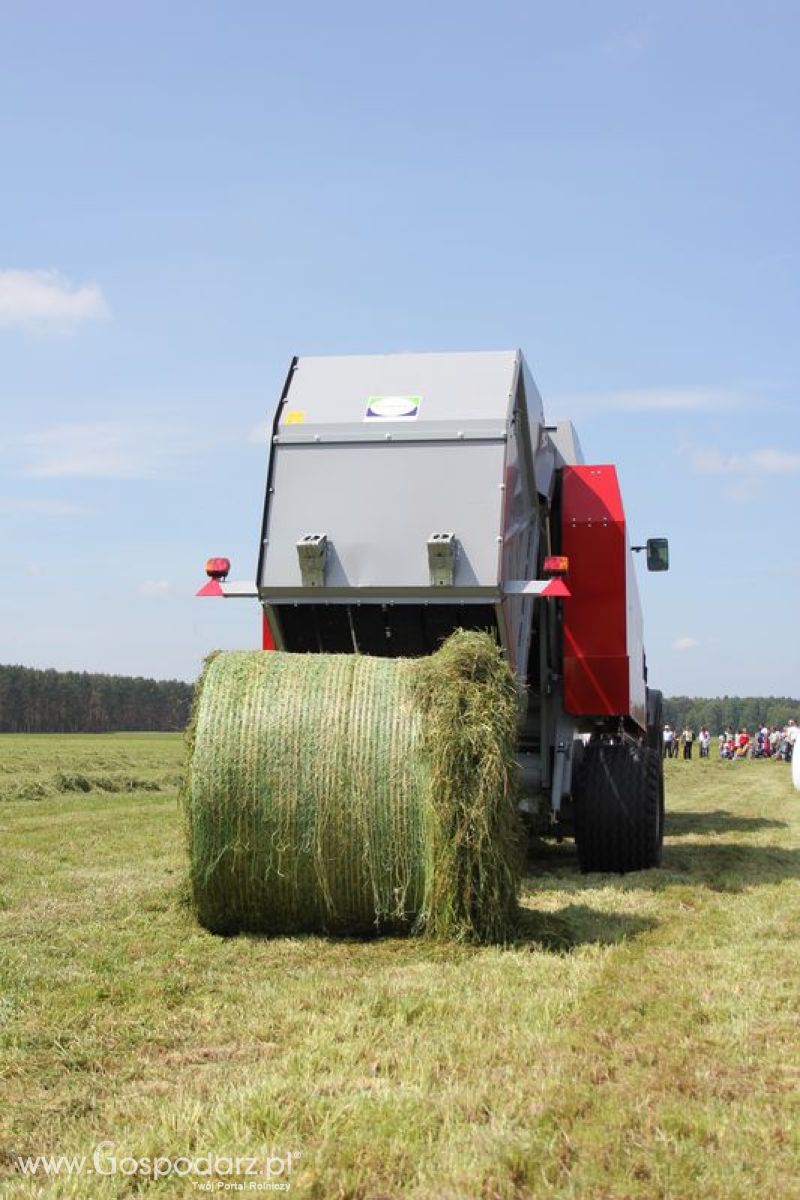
column 410, row 497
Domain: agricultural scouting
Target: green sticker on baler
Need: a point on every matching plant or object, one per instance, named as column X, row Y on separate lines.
column 392, row 408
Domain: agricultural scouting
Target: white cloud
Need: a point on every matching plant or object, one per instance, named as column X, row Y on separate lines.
column 154, row 588
column 650, row 400
column 708, row 462
column 146, row 449
column 627, row 43
column 100, row 450
column 33, row 506
column 755, row 462
column 775, row 462
column 685, row 643
column 45, row 300
column 104, row 450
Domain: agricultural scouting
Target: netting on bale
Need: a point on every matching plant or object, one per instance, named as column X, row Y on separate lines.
column 349, row 794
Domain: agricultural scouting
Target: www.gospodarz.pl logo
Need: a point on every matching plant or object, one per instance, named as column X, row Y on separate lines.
column 206, row 1172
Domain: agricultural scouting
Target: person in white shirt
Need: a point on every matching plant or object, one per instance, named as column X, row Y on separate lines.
column 668, row 740
column 687, row 738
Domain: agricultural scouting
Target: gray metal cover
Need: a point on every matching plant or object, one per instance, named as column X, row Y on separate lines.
column 471, row 391
column 455, row 454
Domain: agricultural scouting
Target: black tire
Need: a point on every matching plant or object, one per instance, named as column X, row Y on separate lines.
column 655, row 784
column 619, row 809
column 655, row 720
column 654, row 808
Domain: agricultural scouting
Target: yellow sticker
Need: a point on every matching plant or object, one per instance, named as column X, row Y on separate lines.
column 295, row 417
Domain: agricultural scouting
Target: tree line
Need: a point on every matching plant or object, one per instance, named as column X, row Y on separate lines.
column 36, row 701
column 729, row 712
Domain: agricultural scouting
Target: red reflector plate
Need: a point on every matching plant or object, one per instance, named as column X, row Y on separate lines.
column 212, row 588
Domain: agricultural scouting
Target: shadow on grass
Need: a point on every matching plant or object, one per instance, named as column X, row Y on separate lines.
column 576, row 925
column 558, row 932
column 718, row 820
column 722, row 868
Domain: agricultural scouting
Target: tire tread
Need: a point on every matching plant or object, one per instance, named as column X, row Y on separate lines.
column 618, row 821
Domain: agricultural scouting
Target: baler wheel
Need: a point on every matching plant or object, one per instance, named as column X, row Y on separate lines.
column 654, row 804
column 655, row 720
column 618, row 809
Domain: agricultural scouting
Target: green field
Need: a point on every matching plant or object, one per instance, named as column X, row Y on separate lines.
column 640, row 1038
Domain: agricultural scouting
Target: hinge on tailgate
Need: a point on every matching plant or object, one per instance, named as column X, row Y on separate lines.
column 311, row 551
column 442, row 559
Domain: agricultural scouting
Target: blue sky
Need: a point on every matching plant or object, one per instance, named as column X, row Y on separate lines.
column 192, row 193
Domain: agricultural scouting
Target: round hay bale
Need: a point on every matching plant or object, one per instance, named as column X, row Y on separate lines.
column 347, row 794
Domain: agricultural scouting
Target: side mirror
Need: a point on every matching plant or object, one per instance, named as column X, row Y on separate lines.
column 657, row 554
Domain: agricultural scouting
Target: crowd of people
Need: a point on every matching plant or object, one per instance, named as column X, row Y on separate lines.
column 766, row 742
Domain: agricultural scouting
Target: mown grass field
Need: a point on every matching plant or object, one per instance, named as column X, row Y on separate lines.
column 639, row 1040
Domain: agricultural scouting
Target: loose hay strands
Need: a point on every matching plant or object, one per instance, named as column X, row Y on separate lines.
column 471, row 712
column 349, row 794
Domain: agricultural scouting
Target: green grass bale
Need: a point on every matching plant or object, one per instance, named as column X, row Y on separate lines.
column 348, row 794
